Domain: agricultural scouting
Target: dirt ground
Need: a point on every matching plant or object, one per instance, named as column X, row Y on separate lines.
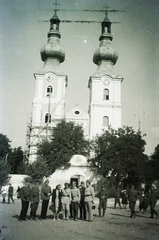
column 116, row 224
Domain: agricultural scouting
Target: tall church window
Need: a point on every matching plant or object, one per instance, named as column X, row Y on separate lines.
column 48, row 118
column 105, row 121
column 49, row 90
column 106, row 94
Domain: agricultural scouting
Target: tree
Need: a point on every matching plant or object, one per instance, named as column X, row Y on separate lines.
column 5, row 149
column 152, row 173
column 16, row 161
column 67, row 139
column 119, row 154
column 36, row 171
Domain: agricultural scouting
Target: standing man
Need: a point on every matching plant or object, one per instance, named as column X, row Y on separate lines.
column 34, row 201
column 25, row 194
column 132, row 200
column 89, row 199
column 10, row 193
column 45, row 197
column 75, row 199
column 117, row 198
column 102, row 195
column 65, row 199
column 82, row 203
column 152, row 201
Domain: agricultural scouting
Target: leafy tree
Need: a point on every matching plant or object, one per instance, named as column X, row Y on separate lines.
column 67, row 139
column 152, row 173
column 4, row 166
column 36, row 171
column 16, row 161
column 119, row 155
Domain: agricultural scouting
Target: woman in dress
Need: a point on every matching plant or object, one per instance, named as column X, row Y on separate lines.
column 56, row 201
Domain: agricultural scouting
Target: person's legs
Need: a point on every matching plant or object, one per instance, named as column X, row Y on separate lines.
column 64, row 210
column 44, row 208
column 90, row 212
column 87, row 214
column 4, row 198
column 67, row 206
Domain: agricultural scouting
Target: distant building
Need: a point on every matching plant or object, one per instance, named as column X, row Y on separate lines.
column 104, row 107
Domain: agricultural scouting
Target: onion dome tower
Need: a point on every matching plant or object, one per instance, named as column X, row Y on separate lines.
column 50, row 84
column 105, row 85
column 52, row 54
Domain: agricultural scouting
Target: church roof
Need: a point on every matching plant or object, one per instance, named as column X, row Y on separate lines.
column 77, row 114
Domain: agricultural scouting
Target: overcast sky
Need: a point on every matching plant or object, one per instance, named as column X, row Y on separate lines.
column 136, row 39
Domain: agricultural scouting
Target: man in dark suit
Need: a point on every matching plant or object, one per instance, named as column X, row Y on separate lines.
column 45, row 197
column 82, row 203
column 34, row 201
column 10, row 193
column 25, row 194
column 132, row 200
column 152, row 201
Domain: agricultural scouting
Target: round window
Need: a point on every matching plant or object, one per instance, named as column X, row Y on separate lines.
column 77, row 112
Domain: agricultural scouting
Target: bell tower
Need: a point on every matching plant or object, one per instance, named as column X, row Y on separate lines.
column 105, row 85
column 50, row 84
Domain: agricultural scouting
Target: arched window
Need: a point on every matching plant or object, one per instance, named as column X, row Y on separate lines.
column 106, row 94
column 49, row 90
column 105, row 121
column 48, row 118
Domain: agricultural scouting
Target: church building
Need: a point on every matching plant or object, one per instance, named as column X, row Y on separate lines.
column 104, row 106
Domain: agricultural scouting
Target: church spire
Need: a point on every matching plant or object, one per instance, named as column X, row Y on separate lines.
column 105, row 56
column 106, row 26
column 52, row 54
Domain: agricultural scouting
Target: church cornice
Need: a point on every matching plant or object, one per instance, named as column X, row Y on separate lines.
column 103, row 105
column 104, row 78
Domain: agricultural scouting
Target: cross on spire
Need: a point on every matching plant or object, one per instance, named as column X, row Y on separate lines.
column 56, row 3
column 106, row 9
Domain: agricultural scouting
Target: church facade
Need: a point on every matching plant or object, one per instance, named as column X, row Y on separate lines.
column 104, row 107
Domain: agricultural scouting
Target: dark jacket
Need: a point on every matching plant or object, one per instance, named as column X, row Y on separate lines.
column 102, row 195
column 54, row 195
column 35, row 194
column 82, row 192
column 10, row 190
column 45, row 192
column 132, row 196
column 25, row 193
column 153, row 197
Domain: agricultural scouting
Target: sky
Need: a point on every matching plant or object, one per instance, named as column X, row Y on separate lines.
column 23, row 32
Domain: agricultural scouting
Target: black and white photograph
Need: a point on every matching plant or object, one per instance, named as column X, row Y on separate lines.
column 79, row 119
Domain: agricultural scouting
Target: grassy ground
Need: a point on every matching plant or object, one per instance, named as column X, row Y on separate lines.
column 115, row 225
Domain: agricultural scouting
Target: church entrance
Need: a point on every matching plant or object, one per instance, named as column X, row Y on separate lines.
column 78, row 179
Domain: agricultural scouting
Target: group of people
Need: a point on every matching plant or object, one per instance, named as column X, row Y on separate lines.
column 71, row 200
column 67, row 200
column 8, row 191
column 146, row 198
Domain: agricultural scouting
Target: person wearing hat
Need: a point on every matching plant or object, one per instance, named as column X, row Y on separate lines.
column 45, row 197
column 102, row 195
column 34, row 201
column 10, row 193
column 25, row 194
column 75, row 199
column 89, row 199
column 82, row 203
column 65, row 199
